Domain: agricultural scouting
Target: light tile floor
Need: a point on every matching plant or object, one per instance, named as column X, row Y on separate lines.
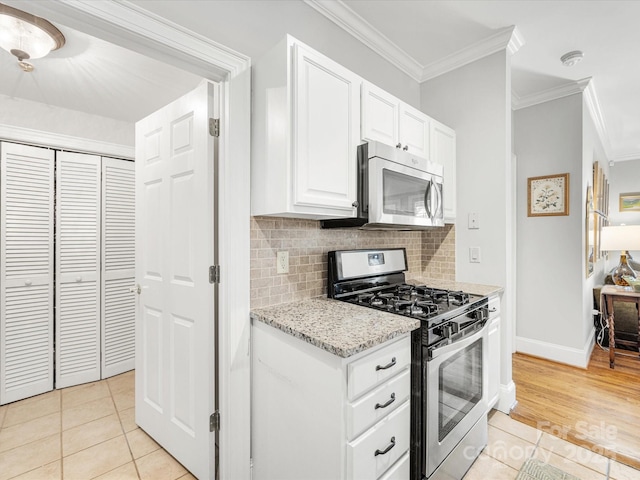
column 81, row 433
column 511, row 443
column 88, row 432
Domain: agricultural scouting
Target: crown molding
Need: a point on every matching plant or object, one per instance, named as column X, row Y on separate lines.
column 571, row 88
column 626, row 158
column 509, row 38
column 61, row 141
column 343, row 16
column 516, row 42
column 593, row 105
column 141, row 27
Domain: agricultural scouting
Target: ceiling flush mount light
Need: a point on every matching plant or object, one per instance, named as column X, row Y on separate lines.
column 571, row 58
column 27, row 36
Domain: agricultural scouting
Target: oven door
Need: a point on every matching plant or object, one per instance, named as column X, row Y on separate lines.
column 401, row 195
column 456, row 394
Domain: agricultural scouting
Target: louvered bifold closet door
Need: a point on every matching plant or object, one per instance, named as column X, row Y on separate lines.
column 118, row 266
column 26, row 271
column 77, row 268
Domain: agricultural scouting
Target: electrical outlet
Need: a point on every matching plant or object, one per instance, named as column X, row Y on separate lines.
column 474, row 223
column 282, row 262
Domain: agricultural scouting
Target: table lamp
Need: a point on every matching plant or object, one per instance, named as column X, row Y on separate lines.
column 622, row 238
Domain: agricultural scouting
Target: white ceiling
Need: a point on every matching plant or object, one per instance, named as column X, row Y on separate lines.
column 97, row 77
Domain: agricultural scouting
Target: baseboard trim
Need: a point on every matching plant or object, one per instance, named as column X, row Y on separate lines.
column 578, row 357
column 507, row 399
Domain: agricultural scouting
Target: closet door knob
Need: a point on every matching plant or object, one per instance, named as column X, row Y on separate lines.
column 28, row 283
column 78, row 279
column 136, row 289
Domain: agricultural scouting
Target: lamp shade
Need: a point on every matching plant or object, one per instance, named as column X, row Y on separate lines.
column 27, row 36
column 620, row 237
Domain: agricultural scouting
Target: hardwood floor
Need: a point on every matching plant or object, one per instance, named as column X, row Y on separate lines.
column 597, row 407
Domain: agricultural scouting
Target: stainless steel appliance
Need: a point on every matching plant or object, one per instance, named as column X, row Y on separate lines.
column 449, row 356
column 396, row 190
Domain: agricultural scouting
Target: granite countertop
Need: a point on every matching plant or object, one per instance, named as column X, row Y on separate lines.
column 474, row 288
column 338, row 327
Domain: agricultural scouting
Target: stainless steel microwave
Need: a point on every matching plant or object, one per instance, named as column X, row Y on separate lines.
column 396, row 191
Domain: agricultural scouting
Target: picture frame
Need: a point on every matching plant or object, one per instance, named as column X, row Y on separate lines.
column 548, row 195
column 589, row 233
column 630, row 202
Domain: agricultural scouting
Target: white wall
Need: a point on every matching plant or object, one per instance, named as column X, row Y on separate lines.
column 554, row 297
column 39, row 116
column 475, row 100
column 253, row 27
column 624, row 178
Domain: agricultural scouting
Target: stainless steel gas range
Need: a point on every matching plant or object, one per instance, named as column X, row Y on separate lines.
column 449, row 356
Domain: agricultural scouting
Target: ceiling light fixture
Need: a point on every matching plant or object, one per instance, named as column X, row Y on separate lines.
column 27, row 36
column 571, row 58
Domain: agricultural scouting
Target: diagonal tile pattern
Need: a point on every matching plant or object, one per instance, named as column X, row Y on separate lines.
column 81, row 432
column 511, row 443
column 89, row 432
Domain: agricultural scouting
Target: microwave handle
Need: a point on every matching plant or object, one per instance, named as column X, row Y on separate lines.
column 438, row 197
column 427, row 199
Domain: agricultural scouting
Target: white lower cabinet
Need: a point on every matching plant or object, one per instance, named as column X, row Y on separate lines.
column 494, row 351
column 317, row 416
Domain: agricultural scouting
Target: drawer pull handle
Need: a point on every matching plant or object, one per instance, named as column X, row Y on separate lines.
column 389, row 402
column 391, row 445
column 388, row 365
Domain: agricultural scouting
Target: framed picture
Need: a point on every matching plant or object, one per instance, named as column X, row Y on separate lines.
column 630, row 202
column 548, row 195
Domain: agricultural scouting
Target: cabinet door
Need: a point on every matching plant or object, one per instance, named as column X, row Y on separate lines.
column 77, row 269
column 414, row 132
column 118, row 266
column 443, row 151
column 494, row 361
column 26, row 271
column 380, row 115
column 326, row 130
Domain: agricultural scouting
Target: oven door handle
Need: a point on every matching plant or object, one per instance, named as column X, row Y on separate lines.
column 465, row 342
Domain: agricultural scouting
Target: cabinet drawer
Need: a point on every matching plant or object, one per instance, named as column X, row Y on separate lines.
column 373, row 369
column 400, row 471
column 390, row 435
column 363, row 413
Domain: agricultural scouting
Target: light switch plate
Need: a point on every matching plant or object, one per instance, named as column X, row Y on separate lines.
column 474, row 254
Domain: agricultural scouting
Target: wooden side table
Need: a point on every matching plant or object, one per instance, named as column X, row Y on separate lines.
column 620, row 294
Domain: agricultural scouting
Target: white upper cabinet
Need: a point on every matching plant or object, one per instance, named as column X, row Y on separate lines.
column 443, row 151
column 388, row 120
column 414, row 131
column 380, row 115
column 306, row 130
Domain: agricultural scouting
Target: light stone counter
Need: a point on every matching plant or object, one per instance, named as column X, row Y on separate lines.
column 474, row 288
column 338, row 327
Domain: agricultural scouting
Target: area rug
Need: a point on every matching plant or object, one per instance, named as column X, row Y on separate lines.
column 537, row 470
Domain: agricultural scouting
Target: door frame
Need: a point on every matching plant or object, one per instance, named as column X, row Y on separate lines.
column 139, row 30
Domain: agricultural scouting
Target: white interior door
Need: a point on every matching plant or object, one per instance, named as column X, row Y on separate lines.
column 26, row 271
column 118, row 266
column 77, row 323
column 174, row 250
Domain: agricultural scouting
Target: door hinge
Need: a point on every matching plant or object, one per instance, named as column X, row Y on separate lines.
column 214, row 127
column 214, row 274
column 214, row 422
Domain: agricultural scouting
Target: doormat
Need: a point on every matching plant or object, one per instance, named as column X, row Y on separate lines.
column 537, row 470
